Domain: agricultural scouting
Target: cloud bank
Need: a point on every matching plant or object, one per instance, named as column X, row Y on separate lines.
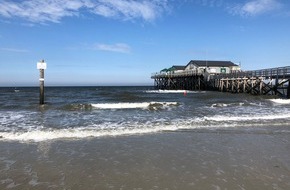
column 44, row 11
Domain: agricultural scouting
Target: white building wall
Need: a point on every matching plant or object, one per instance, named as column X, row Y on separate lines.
column 212, row 70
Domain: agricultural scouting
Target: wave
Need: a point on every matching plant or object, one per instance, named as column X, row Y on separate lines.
column 281, row 101
column 142, row 105
column 81, row 132
column 37, row 134
column 25, row 127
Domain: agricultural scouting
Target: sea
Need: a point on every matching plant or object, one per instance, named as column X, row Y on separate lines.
column 86, row 112
column 85, row 137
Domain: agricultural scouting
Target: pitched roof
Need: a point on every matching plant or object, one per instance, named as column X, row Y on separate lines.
column 178, row 67
column 203, row 63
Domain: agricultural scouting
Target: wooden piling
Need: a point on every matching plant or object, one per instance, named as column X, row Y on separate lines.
column 261, row 85
column 288, row 89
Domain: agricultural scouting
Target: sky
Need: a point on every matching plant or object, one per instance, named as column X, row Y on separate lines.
column 122, row 42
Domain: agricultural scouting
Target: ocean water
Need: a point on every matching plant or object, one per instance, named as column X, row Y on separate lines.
column 87, row 112
column 142, row 138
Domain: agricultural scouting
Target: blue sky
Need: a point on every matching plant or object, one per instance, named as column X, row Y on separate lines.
column 121, row 42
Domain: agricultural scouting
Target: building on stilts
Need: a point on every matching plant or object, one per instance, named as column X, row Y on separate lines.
column 224, row 76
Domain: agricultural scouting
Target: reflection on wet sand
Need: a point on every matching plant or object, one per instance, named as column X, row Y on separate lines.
column 173, row 160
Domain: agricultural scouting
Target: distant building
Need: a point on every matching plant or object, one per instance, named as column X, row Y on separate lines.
column 212, row 67
column 200, row 67
column 173, row 69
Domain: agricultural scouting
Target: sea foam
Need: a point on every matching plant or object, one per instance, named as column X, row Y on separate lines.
column 247, row 117
column 174, row 91
column 142, row 105
column 281, row 101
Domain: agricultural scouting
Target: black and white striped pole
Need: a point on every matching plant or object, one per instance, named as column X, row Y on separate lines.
column 41, row 66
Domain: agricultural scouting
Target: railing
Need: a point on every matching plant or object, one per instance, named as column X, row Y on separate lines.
column 177, row 73
column 272, row 72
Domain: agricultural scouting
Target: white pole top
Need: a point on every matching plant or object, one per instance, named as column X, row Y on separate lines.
column 41, row 65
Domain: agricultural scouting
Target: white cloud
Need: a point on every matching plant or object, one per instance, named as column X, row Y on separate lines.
column 43, row 11
column 14, row 50
column 119, row 47
column 255, row 7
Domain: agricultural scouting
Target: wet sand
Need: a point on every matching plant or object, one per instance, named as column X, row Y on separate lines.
column 198, row 159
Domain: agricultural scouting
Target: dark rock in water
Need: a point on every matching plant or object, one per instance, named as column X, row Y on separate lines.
column 1, row 137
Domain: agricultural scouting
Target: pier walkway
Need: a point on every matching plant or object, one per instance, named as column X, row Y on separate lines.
column 273, row 81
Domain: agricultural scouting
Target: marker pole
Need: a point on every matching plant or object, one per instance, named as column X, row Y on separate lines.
column 41, row 87
column 41, row 66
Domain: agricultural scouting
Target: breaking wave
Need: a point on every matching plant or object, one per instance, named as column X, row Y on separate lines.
column 142, row 105
column 280, row 101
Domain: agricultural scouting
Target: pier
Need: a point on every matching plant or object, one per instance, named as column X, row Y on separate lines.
column 273, row 81
column 187, row 80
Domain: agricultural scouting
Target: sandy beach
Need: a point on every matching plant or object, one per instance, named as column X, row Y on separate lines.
column 195, row 159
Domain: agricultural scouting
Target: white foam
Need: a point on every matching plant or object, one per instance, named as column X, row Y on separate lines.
column 78, row 133
column 247, row 117
column 130, row 128
column 142, row 105
column 219, row 105
column 100, row 130
column 173, row 91
column 281, row 101
column 10, row 120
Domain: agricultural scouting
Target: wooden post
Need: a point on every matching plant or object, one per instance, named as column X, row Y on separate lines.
column 288, row 89
column 199, row 82
column 233, row 85
column 238, row 85
column 41, row 66
column 244, row 84
column 252, row 85
column 261, row 85
column 276, row 83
